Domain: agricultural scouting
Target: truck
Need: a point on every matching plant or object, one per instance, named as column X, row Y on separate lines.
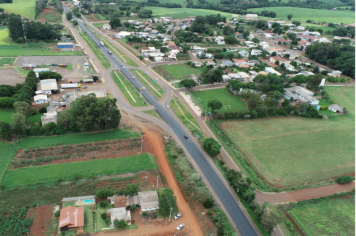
column 75, row 85
column 101, row 44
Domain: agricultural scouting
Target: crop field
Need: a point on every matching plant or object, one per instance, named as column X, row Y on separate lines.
column 129, row 91
column 332, row 217
column 73, row 170
column 8, row 151
column 43, row 141
column 26, row 8
column 297, row 151
column 229, row 101
column 181, row 70
column 185, row 12
column 13, row 221
column 304, row 14
column 7, row 60
column 150, row 84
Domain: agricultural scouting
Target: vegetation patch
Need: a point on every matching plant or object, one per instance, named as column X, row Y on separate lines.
column 13, row 222
column 7, row 60
column 7, row 152
column 179, row 71
column 183, row 13
column 150, row 84
column 25, row 8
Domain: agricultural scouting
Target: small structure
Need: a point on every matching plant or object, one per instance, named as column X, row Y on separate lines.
column 197, row 63
column 244, row 53
column 148, row 200
column 335, row 73
column 50, row 116
column 39, row 99
column 107, row 27
column 283, row 41
column 41, row 69
column 256, row 52
column 210, row 63
column 301, row 94
column 251, row 16
column 225, row 78
column 120, row 214
column 132, row 200
column 118, row 201
column 48, row 85
column 72, row 218
column 253, row 62
column 65, row 45
column 149, row 50
column 335, row 108
column 274, row 59
column 300, row 27
column 196, row 49
column 226, row 63
column 122, row 34
column 239, row 62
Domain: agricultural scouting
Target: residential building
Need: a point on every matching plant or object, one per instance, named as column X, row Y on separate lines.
column 300, row 27
column 120, row 214
column 335, row 108
column 274, row 59
column 251, row 16
column 239, row 62
column 253, row 62
column 107, row 27
column 253, row 74
column 270, row 70
column 283, row 41
column 277, row 50
column 268, row 36
column 301, row 95
column 220, row 40
column 210, row 63
column 314, row 33
column 158, row 59
column 197, row 63
column 148, row 201
column 335, row 73
column 244, row 76
column 244, row 53
column 305, row 73
column 307, row 37
column 148, row 50
column 281, row 22
column 225, row 78
column 264, row 45
column 196, row 49
column 324, row 40
column 142, row 34
column 289, row 66
column 292, row 54
column 71, row 218
column 122, row 34
column 226, row 63
column 39, row 99
column 256, row 52
column 48, row 85
column 302, row 44
column 147, row 29
column 260, row 32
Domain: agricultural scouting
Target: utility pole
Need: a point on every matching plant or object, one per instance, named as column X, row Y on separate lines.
column 157, row 182
column 170, row 214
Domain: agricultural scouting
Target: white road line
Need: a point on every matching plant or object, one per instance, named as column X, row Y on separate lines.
column 125, row 87
column 147, row 81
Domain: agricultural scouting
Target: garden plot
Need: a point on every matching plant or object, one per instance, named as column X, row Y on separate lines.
column 74, row 153
column 13, row 222
column 42, row 220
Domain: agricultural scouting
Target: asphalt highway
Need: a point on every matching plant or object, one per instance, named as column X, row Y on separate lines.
column 233, row 209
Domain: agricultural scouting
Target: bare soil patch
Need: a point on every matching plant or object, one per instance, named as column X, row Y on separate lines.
column 44, row 11
column 74, row 153
column 91, row 17
column 42, row 220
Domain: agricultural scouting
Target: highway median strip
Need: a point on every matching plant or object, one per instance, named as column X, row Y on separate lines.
column 155, row 88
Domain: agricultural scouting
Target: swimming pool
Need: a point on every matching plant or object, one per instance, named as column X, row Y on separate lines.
column 88, row 201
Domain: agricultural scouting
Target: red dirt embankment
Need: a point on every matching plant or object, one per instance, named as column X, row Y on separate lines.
column 42, row 220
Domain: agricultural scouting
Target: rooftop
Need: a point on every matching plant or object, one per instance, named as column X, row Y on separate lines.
column 71, row 217
column 49, row 84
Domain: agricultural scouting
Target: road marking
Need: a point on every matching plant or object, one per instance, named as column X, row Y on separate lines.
column 184, row 115
column 125, row 87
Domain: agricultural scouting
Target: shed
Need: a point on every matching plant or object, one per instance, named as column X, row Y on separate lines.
column 335, row 108
column 148, row 200
column 40, row 69
column 39, row 99
column 65, row 45
column 88, row 80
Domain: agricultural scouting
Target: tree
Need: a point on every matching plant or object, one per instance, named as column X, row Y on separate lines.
column 285, row 103
column 297, row 23
column 101, row 194
column 212, row 147
column 69, row 16
column 270, row 220
column 214, row 105
column 95, row 78
column 315, row 81
column 5, row 131
column 115, row 22
column 122, row 224
column 19, row 123
column 133, row 207
column 104, row 215
column 75, row 22
column 261, row 111
column 289, row 16
column 188, row 83
column 131, row 189
column 208, row 203
column 57, row 213
column 344, row 179
column 254, row 101
column 22, row 108
column 274, row 54
column 166, row 201
column 277, row 62
column 144, row 13
column 255, row 40
column 245, row 34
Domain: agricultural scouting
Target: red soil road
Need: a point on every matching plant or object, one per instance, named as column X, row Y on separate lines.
column 154, row 143
column 42, row 220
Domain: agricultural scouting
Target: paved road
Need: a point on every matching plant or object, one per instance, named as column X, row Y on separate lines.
column 223, row 193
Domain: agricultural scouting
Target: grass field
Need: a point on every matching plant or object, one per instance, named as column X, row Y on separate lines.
column 224, row 96
column 129, row 91
column 298, row 151
column 26, row 8
column 7, row 60
column 324, row 28
column 5, row 116
column 83, row 169
column 181, row 70
column 329, row 218
column 303, row 14
column 150, row 84
column 103, row 60
column 44, row 141
column 52, row 17
column 184, row 12
column 8, row 150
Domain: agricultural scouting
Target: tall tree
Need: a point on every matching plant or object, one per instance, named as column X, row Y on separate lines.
column 214, row 105
column 22, row 108
column 6, row 131
column 289, row 16
column 15, row 27
column 212, row 147
column 115, row 22
column 19, row 124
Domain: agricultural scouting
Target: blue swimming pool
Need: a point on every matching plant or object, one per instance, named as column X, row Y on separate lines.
column 88, row 201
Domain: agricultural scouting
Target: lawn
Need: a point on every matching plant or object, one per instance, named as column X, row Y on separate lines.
column 229, row 101
column 8, row 150
column 26, row 8
column 304, row 14
column 150, row 83
column 7, row 60
column 181, row 70
column 82, row 169
column 298, row 151
column 88, row 220
column 129, row 91
column 101, row 57
column 100, row 223
column 45, row 141
column 5, row 116
column 332, row 217
column 185, row 12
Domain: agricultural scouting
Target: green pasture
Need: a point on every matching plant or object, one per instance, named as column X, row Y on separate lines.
column 304, row 14
column 6, row 116
column 83, row 169
column 324, row 28
column 26, row 8
column 181, row 70
column 129, row 91
column 67, row 139
column 8, row 150
column 150, row 83
column 184, row 12
column 224, row 96
column 298, row 151
column 327, row 218
column 7, row 60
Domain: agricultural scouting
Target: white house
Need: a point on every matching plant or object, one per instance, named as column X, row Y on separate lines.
column 301, row 94
column 324, row 40
column 335, row 73
column 122, row 34
column 300, row 27
column 268, row 36
column 244, row 53
column 220, row 40
column 196, row 49
column 256, row 52
column 39, row 99
column 158, row 59
column 107, row 27
column 270, row 70
column 251, row 16
column 149, row 50
column 225, row 78
column 264, row 45
column 335, row 108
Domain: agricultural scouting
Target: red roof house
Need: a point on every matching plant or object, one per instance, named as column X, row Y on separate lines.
column 72, row 218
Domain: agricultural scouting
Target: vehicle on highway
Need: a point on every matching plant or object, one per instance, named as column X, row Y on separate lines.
column 179, row 215
column 185, row 136
column 102, row 44
column 167, row 107
column 109, row 52
column 124, row 67
column 179, row 227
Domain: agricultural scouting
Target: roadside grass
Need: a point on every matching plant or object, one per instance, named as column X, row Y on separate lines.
column 88, row 220
column 103, row 60
column 150, row 84
column 8, row 151
column 223, row 95
column 186, row 118
column 26, row 8
column 152, row 113
column 114, row 49
column 98, row 25
column 44, row 141
column 69, row 67
column 184, row 12
column 298, row 151
column 70, row 171
column 304, row 14
column 181, row 70
column 331, row 217
column 129, row 91
column 7, row 60
column 6, row 116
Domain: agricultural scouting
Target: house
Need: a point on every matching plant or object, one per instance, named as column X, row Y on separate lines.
column 322, row 83
column 119, row 213
column 302, row 44
column 72, row 218
column 225, row 78
column 158, row 59
column 48, row 85
column 39, row 99
column 234, row 76
column 282, row 41
column 118, row 201
column 300, row 27
column 274, row 59
column 244, row 76
column 107, row 27
column 239, row 62
column 335, row 108
column 277, row 50
column 251, row 16
column 307, row 37
column 289, row 66
column 324, row 40
column 305, row 73
column 196, row 49
column 132, row 200
column 210, row 63
column 122, row 34
column 238, row 35
column 147, row 29
column 335, row 73
column 268, row 36
column 253, row 74
column 270, row 70
column 148, row 200
column 253, row 62
column 292, row 55
column 226, row 63
column 197, row 63
column 260, row 32
column 264, row 45
column 256, row 52
column 244, row 53
column 149, row 50
column 301, row 94
column 161, row 36
column 220, row 40
column 311, row 33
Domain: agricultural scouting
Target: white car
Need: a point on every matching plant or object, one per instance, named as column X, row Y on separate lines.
column 179, row 215
column 179, row 227
column 168, row 108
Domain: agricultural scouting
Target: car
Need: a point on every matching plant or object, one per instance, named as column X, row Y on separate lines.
column 179, row 227
column 185, row 136
column 85, row 87
column 179, row 215
column 167, row 107
column 133, row 77
column 124, row 67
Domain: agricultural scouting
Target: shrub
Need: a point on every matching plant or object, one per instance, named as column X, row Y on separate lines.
column 144, row 213
column 107, row 221
column 120, row 192
column 104, row 215
column 344, row 179
column 103, row 204
column 131, row 189
column 208, row 203
column 209, row 213
column 133, row 207
column 221, row 162
column 57, row 213
column 101, row 194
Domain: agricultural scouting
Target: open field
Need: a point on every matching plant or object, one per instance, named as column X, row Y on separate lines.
column 150, row 83
column 7, row 60
column 5, row 116
column 50, row 15
column 69, row 171
column 26, row 8
column 129, row 91
column 181, row 70
column 329, row 217
column 324, row 28
column 297, row 151
column 184, row 12
column 223, row 95
column 304, row 14
column 8, row 151
column 43, row 141
column 103, row 60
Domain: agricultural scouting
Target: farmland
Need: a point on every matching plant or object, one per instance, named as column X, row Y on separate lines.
column 84, row 169
column 184, row 12
column 230, row 102
column 25, row 8
column 328, row 217
column 8, row 151
column 179, row 71
column 13, row 222
column 304, row 14
column 298, row 151
column 50, row 15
